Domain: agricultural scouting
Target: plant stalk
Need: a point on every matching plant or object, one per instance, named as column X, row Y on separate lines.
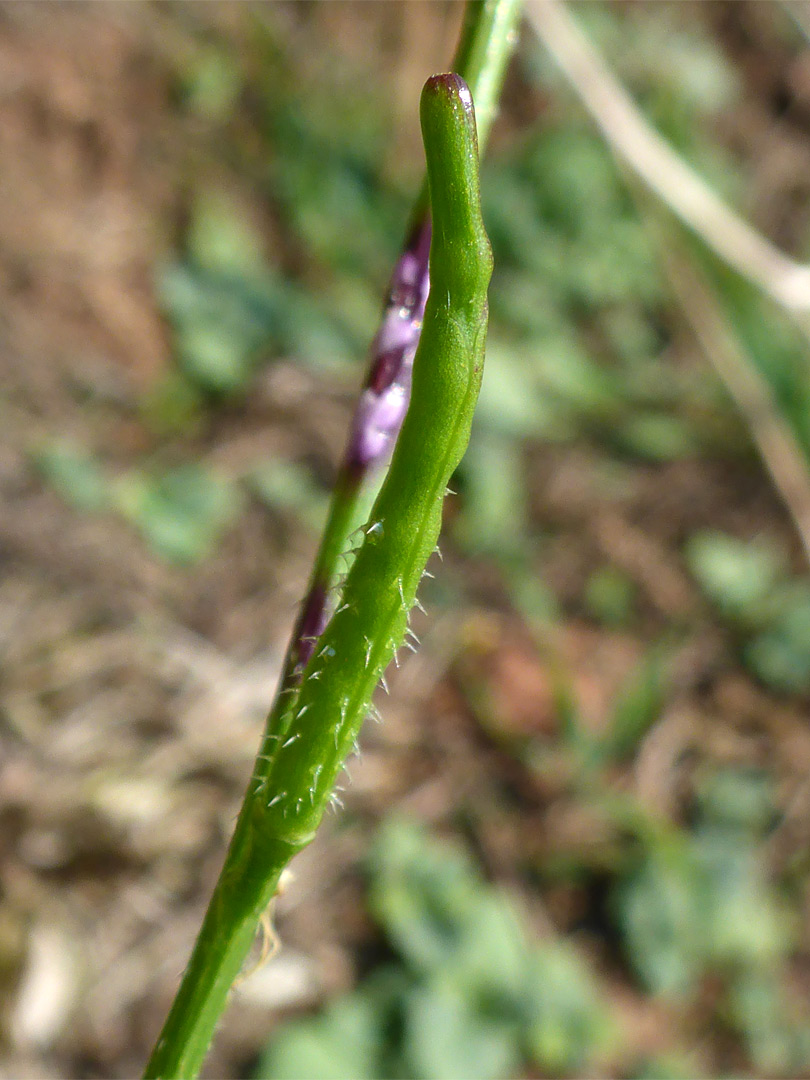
column 256, row 856
column 488, row 35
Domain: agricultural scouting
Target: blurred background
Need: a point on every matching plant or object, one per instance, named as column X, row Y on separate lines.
column 578, row 843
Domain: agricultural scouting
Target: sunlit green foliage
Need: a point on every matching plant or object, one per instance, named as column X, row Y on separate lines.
column 465, row 993
column 231, row 311
column 181, row 513
column 74, row 473
column 286, row 486
column 769, row 610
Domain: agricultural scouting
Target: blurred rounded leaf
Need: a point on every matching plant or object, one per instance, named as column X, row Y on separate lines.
column 738, row 799
column 657, row 437
column 211, row 84
column 287, row 486
column 222, row 237
column 661, row 907
column 214, row 356
column 447, row 1039
column 181, row 514
column 737, row 576
column 341, row 1044
column 422, row 894
column 780, row 656
column 75, row 474
column 568, row 1024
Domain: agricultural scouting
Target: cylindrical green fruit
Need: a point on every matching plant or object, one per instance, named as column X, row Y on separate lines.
column 300, row 760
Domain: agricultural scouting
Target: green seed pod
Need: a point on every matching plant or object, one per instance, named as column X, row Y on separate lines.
column 301, row 758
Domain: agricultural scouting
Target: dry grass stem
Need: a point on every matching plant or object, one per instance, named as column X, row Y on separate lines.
column 636, row 142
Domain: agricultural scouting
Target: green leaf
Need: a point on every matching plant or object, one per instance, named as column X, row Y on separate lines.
column 287, row 486
column 565, row 370
column 746, row 926
column 738, row 799
column 509, row 404
column 221, row 321
column 567, row 1023
column 664, row 1067
column 341, row 1044
column 737, row 576
column 221, row 238
column 657, row 437
column 662, row 912
column 491, row 962
column 780, row 655
column 443, row 919
column 494, row 508
column 75, row 474
column 484, row 990
column 173, row 405
column 421, row 894
column 445, row 1038
column 211, row 84
column 759, row 1010
column 181, row 514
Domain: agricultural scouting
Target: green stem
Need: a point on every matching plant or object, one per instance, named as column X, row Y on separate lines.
column 245, row 887
column 488, row 35
column 316, row 717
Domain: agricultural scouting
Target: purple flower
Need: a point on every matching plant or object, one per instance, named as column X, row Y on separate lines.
column 384, row 400
column 379, row 413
